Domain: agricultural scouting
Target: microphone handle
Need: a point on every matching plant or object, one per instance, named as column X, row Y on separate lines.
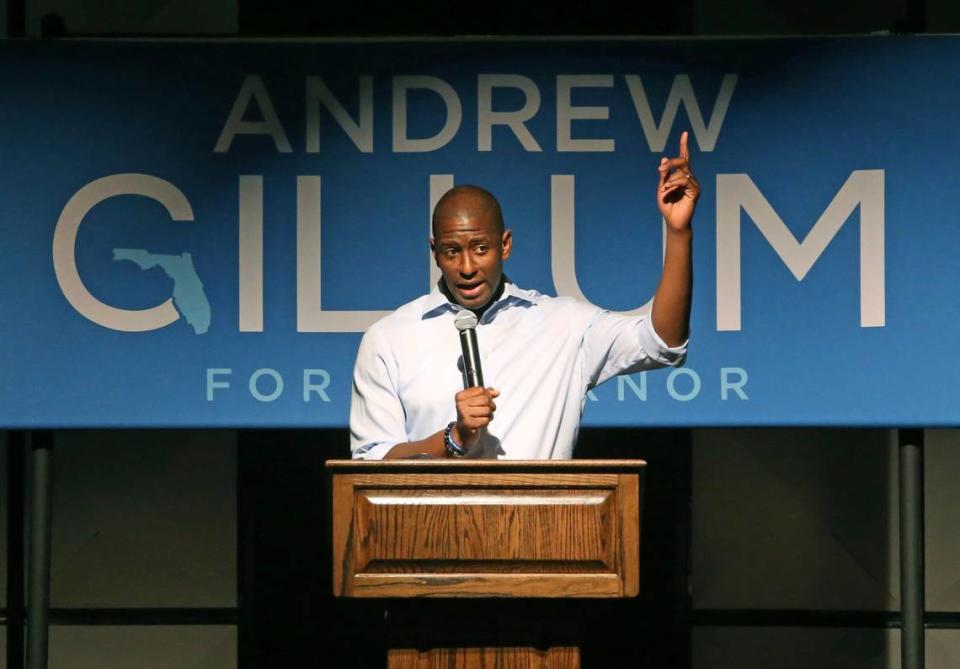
column 472, row 374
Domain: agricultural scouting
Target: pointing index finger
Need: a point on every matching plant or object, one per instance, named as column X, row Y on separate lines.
column 684, row 151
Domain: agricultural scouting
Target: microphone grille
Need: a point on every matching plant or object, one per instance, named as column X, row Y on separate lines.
column 465, row 320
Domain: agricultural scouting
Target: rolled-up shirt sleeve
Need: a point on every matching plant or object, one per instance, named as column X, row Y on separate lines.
column 376, row 415
column 618, row 344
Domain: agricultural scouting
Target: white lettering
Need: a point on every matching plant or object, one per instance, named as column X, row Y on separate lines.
column 65, row 242
column 567, row 113
column 253, row 90
column 863, row 188
column 563, row 241
column 726, row 384
column 454, row 114
column 681, row 92
column 360, row 132
column 671, row 384
column 277, row 384
column 319, row 388
column 515, row 120
column 212, row 383
column 640, row 391
column 251, row 253
column 253, row 100
column 310, row 315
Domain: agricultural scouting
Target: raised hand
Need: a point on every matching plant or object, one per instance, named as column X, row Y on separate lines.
column 678, row 190
column 475, row 407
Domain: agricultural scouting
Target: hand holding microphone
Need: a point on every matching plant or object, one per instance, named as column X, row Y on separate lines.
column 475, row 405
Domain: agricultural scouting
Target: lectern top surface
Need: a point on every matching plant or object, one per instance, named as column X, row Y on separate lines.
column 422, row 464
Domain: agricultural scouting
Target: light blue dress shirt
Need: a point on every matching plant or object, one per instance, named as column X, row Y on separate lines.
column 542, row 353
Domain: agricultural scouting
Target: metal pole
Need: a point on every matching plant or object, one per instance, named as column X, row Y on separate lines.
column 911, row 549
column 16, row 457
column 38, row 568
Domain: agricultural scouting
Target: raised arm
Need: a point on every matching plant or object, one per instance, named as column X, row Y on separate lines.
column 677, row 194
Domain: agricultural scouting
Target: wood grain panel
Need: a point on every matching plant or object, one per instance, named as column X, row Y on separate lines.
column 630, row 506
column 465, row 584
column 484, row 658
column 491, row 479
column 486, row 531
column 440, row 525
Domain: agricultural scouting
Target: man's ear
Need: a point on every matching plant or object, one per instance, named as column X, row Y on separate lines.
column 506, row 243
column 433, row 251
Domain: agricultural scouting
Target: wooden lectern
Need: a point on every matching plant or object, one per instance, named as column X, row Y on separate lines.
column 486, row 529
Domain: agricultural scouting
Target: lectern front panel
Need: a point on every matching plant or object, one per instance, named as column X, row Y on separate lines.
column 487, row 531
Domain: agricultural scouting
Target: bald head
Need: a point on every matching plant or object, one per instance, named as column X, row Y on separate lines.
column 469, row 245
column 467, row 203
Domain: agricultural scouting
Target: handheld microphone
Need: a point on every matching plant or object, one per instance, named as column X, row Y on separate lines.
column 466, row 323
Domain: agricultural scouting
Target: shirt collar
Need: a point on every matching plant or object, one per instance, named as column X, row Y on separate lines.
column 437, row 302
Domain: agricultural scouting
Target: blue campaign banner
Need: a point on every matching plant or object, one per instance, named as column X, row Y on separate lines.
column 198, row 233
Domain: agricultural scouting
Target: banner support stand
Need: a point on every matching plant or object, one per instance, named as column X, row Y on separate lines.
column 910, row 446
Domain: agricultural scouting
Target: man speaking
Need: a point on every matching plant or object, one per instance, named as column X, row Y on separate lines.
column 414, row 391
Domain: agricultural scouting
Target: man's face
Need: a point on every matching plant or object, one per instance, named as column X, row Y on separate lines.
column 470, row 252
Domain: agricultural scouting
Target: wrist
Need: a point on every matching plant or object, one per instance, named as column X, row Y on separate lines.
column 460, row 436
column 681, row 234
column 466, row 437
column 453, row 445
